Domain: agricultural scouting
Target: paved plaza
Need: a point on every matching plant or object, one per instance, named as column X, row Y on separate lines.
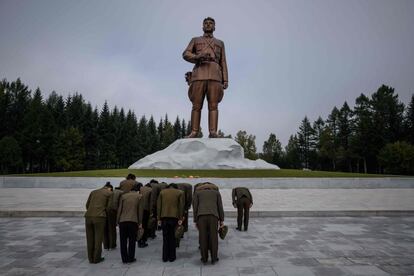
column 272, row 246
column 267, row 202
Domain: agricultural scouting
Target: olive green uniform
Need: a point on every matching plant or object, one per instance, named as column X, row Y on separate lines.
column 98, row 204
column 242, row 199
column 208, row 211
column 170, row 209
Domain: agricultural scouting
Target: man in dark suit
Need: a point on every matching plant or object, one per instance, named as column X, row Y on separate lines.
column 97, row 207
column 243, row 201
column 129, row 218
column 170, row 209
column 208, row 215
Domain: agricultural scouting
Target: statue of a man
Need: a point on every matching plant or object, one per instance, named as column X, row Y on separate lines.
column 209, row 77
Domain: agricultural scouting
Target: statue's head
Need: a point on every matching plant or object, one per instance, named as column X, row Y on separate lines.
column 209, row 25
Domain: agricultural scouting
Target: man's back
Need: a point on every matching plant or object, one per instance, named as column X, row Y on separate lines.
column 240, row 192
column 129, row 207
column 208, row 202
column 170, row 203
column 98, row 203
column 127, row 185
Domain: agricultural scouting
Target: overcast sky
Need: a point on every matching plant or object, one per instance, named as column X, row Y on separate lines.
column 286, row 59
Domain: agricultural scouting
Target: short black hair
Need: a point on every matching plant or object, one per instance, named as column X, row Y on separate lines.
column 131, row 176
column 153, row 181
column 209, row 18
column 173, row 185
column 108, row 185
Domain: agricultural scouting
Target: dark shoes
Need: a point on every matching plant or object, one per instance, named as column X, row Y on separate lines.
column 203, row 261
column 238, row 228
column 99, row 261
column 132, row 261
column 142, row 244
column 214, row 261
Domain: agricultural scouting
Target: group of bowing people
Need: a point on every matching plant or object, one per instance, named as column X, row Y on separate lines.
column 139, row 210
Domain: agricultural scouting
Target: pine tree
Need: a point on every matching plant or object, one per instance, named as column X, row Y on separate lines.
column 306, row 142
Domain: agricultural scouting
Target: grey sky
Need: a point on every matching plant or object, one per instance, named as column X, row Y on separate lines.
column 286, row 59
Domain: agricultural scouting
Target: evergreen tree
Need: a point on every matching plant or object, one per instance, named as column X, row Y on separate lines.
column 362, row 144
column 10, row 155
column 91, row 139
column 306, row 143
column 318, row 127
column 177, row 129
column 397, row 158
column 153, row 137
column 344, row 137
column 106, row 139
column 183, row 129
column 142, row 138
column 130, row 148
column 387, row 117
column 168, row 133
column 409, row 121
column 70, row 150
column 272, row 150
column 293, row 159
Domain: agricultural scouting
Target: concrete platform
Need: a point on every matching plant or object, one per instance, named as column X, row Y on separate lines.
column 224, row 183
column 267, row 202
column 272, row 246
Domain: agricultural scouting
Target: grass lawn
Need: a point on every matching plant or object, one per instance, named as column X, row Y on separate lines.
column 205, row 173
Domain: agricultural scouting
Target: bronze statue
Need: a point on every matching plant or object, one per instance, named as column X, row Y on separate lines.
column 209, row 77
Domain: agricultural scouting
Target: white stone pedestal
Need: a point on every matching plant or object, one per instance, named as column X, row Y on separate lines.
column 201, row 154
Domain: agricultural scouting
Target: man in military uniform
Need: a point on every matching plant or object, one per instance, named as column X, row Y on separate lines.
column 208, row 215
column 129, row 218
column 97, row 206
column 110, row 227
column 209, row 76
column 243, row 201
column 187, row 189
column 127, row 184
column 155, row 192
column 145, row 191
column 170, row 209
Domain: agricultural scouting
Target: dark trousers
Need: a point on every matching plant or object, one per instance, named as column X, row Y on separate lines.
column 110, row 230
column 243, row 208
column 168, row 235
column 95, row 227
column 128, row 237
column 185, row 222
column 145, row 218
column 208, row 236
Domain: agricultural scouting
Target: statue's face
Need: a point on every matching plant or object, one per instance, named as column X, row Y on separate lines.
column 209, row 26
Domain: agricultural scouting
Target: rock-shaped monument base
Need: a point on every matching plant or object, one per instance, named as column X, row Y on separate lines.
column 201, row 154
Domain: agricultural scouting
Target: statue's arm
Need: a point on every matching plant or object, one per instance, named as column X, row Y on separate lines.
column 223, row 64
column 189, row 54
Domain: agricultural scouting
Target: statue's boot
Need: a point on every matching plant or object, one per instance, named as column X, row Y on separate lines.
column 212, row 123
column 195, row 124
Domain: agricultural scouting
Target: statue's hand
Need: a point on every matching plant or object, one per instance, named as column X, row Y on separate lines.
column 203, row 57
column 225, row 85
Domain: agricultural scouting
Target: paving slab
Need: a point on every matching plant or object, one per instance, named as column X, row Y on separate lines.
column 272, row 246
column 225, row 183
column 267, row 202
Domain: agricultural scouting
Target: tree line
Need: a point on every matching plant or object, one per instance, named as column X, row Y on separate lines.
column 55, row 134
column 375, row 136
